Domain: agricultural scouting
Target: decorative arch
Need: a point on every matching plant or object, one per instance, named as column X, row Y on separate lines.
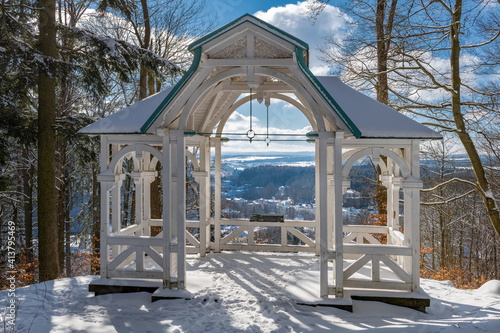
column 371, row 152
column 194, row 160
column 246, row 99
column 131, row 151
column 203, row 88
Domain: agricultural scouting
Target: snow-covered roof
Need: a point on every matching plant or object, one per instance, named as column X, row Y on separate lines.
column 372, row 118
column 128, row 120
column 352, row 111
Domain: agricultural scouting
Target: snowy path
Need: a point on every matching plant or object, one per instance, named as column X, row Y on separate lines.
column 248, row 294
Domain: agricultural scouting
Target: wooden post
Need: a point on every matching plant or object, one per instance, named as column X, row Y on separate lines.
column 284, row 235
column 204, row 182
column 415, row 225
column 138, row 182
column 412, row 185
column 338, row 218
column 116, row 212
column 181, row 209
column 146, row 194
column 218, row 193
column 167, row 184
column 331, row 193
column 146, row 231
column 317, row 214
column 105, row 186
column 323, row 209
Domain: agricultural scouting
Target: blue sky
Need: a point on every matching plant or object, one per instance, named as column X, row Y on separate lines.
column 228, row 10
column 289, row 16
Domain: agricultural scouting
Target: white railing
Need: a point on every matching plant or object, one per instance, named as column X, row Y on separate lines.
column 288, row 226
column 132, row 244
column 360, row 244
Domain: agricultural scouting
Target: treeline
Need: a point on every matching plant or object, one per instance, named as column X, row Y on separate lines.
column 298, row 183
column 458, row 241
column 63, row 65
column 262, row 175
column 265, row 181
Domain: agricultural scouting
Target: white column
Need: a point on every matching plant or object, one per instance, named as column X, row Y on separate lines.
column 204, row 181
column 139, row 254
column 138, row 183
column 330, row 207
column 181, row 209
column 323, row 211
column 394, row 212
column 317, row 212
column 146, row 192
column 218, row 193
column 105, row 186
column 146, row 231
column 338, row 218
column 411, row 186
column 167, row 214
column 116, row 211
column 390, row 209
column 415, row 225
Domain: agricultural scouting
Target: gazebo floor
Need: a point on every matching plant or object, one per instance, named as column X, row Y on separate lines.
column 254, row 271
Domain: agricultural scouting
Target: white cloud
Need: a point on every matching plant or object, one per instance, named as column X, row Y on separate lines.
column 291, row 18
column 239, row 123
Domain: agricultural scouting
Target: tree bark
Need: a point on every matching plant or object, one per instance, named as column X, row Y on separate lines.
column 67, row 240
column 47, row 220
column 143, row 79
column 60, row 202
column 383, row 31
column 96, row 222
column 470, row 148
column 28, row 205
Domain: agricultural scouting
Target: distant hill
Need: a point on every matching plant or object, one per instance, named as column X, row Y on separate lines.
column 262, row 175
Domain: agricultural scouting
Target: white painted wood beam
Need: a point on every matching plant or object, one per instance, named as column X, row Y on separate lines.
column 282, row 62
column 323, row 138
column 338, row 217
column 218, row 193
column 182, row 98
column 282, row 88
column 212, row 107
column 221, row 112
column 167, row 215
column 181, row 208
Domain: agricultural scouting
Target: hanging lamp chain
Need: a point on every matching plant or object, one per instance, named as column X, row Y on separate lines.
column 250, row 132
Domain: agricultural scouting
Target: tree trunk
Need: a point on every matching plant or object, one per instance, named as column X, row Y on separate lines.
column 442, row 228
column 67, row 234
column 47, row 220
column 384, row 31
column 143, row 79
column 28, row 205
column 495, row 262
column 61, row 192
column 151, row 84
column 470, row 148
column 96, row 222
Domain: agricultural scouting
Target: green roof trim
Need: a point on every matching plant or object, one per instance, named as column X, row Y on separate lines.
column 175, row 90
column 239, row 21
column 319, row 87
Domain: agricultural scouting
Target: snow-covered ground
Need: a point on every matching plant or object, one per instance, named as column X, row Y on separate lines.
column 245, row 293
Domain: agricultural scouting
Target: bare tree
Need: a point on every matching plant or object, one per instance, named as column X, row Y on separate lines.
column 432, row 69
column 47, row 219
column 457, row 104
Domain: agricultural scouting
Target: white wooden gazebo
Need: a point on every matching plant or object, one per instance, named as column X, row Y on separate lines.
column 347, row 126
